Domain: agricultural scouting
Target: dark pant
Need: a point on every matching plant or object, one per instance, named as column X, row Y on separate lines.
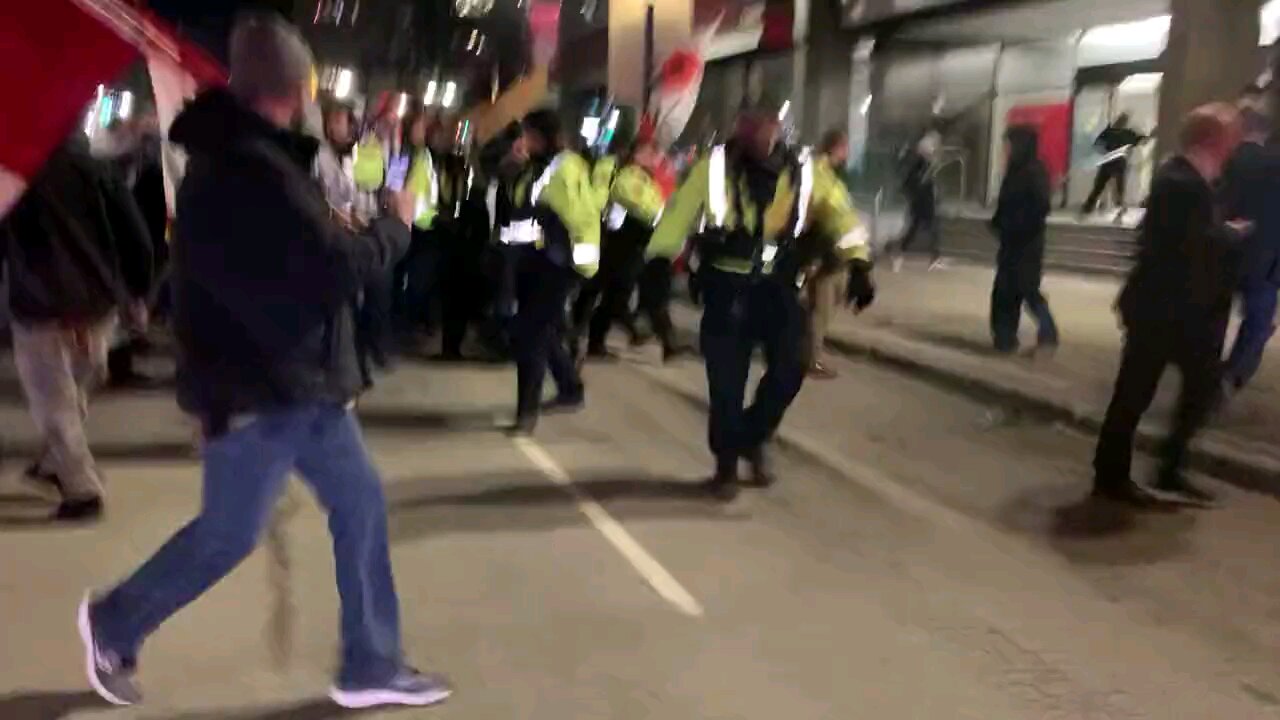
column 245, row 471
column 740, row 313
column 1147, row 352
column 537, row 334
column 1258, row 297
column 655, row 300
column 1017, row 285
column 462, row 291
column 618, row 280
column 415, row 283
column 1117, row 172
column 922, row 223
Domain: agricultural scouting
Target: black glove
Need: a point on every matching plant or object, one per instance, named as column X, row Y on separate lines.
column 862, row 290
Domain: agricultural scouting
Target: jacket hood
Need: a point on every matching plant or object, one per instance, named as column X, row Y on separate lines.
column 1024, row 147
column 216, row 120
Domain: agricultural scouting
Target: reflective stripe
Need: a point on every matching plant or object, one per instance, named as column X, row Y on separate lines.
column 521, row 232
column 545, row 178
column 856, row 237
column 491, row 203
column 806, row 192
column 616, row 216
column 769, row 252
column 717, row 202
column 584, row 254
column 658, row 217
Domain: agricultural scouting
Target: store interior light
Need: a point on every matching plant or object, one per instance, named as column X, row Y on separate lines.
column 429, row 96
column 342, row 83
column 1141, row 83
column 450, row 91
column 865, row 107
column 1138, row 32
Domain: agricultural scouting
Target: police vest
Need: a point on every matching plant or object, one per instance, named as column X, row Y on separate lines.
column 527, row 225
column 627, row 226
column 733, row 235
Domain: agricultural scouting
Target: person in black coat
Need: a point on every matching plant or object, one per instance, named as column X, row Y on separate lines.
column 1174, row 309
column 1019, row 223
column 1115, row 142
column 1250, row 190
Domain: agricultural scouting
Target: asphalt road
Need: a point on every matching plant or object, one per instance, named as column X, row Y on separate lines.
column 923, row 556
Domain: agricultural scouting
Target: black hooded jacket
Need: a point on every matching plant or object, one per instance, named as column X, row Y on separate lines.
column 75, row 245
column 1023, row 207
column 263, row 275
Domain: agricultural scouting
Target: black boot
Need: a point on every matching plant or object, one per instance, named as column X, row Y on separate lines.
column 723, row 485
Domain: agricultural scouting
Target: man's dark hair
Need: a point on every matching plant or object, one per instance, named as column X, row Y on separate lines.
column 832, row 139
column 547, row 124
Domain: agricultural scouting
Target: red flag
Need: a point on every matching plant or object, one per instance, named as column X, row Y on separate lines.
column 55, row 54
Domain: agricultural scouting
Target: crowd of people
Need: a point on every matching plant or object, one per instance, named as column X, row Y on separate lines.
column 302, row 265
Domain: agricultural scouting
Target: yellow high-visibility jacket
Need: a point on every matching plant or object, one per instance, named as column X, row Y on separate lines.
column 563, row 187
column 826, row 209
column 369, row 167
column 634, row 193
column 425, row 185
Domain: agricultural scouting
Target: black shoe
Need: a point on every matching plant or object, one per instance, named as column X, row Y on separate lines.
column 131, row 380
column 522, row 427
column 675, row 352
column 602, row 355
column 722, row 486
column 564, row 405
column 1186, row 491
column 42, row 479
column 79, row 510
column 761, row 473
column 1126, row 492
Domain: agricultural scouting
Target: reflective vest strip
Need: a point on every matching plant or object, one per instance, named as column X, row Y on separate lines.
column 805, row 195
column 717, row 199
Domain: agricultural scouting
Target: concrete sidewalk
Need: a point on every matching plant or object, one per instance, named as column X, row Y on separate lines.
column 936, row 323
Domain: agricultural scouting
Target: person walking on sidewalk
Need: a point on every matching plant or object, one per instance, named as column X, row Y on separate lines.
column 1019, row 222
column 78, row 254
column 264, row 278
column 922, row 200
column 1251, row 191
column 1174, row 309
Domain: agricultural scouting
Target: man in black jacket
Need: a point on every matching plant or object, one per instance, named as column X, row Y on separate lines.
column 1019, row 222
column 1115, row 142
column 1174, row 308
column 264, row 278
column 77, row 251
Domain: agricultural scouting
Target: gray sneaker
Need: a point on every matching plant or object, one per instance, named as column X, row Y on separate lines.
column 408, row 687
column 110, row 676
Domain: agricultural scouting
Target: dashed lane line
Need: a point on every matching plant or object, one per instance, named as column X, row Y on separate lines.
column 657, row 576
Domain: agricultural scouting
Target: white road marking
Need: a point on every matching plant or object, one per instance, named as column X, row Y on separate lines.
column 662, row 581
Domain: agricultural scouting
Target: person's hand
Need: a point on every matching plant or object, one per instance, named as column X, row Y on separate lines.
column 403, row 204
column 862, row 289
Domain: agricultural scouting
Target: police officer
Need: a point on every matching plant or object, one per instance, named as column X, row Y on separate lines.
column 634, row 207
column 461, row 232
column 752, row 204
column 550, row 227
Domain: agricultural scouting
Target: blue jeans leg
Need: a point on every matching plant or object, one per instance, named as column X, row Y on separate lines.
column 1256, row 330
column 333, row 460
column 244, row 473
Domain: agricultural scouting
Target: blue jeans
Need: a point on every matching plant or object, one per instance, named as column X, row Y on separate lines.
column 245, row 472
column 1259, row 299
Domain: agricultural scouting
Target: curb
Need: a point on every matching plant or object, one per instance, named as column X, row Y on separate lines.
column 1216, row 456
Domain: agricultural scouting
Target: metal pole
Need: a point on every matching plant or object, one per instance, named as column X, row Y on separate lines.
column 648, row 54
